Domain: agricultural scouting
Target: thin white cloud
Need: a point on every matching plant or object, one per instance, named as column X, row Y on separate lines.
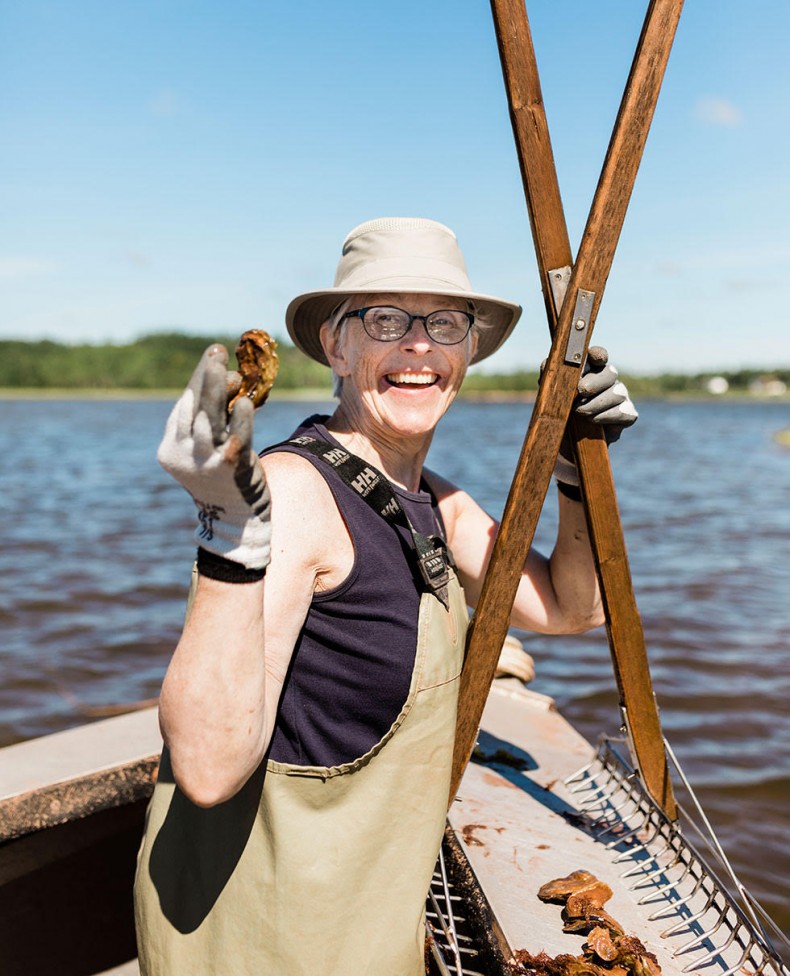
column 17, row 267
column 743, row 284
column 137, row 259
column 668, row 269
column 719, row 111
column 165, row 104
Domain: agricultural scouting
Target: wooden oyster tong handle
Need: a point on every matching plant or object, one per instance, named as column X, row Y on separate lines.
column 572, row 321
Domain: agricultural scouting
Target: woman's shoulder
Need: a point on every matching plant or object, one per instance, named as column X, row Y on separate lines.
column 312, row 427
column 308, row 531
column 448, row 495
column 439, row 485
column 288, row 460
column 457, row 506
column 295, row 472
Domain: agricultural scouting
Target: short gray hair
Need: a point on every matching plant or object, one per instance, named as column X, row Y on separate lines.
column 335, row 321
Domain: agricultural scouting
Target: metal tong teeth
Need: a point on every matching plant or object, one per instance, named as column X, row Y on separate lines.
column 453, row 951
column 663, row 861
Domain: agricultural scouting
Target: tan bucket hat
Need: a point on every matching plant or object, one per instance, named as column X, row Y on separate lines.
column 399, row 254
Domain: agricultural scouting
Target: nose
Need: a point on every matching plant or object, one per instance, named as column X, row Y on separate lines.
column 416, row 336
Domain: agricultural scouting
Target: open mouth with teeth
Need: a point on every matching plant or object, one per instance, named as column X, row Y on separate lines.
column 406, row 381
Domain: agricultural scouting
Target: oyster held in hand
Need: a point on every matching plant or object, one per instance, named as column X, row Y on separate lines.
column 258, row 362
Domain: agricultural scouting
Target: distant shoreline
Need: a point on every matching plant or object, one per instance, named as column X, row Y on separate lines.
column 309, row 395
column 53, row 393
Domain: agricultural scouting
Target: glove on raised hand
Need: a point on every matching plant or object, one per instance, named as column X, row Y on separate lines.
column 603, row 399
column 214, row 461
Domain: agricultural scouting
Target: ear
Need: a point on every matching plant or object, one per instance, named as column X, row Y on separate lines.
column 473, row 343
column 334, row 346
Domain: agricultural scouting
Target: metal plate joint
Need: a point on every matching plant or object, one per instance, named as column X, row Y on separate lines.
column 558, row 282
column 580, row 327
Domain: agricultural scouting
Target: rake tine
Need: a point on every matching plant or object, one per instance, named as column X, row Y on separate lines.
column 624, row 838
column 448, row 923
column 617, row 808
column 742, row 960
column 587, row 786
column 718, row 951
column 652, row 880
column 696, row 943
column 644, row 868
column 660, row 887
column 619, row 822
column 436, row 952
column 579, row 774
column 630, row 854
column 692, row 918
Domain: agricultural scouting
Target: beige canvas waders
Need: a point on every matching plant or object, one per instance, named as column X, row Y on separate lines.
column 311, row 869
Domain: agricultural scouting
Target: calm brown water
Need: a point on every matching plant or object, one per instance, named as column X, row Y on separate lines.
column 97, row 546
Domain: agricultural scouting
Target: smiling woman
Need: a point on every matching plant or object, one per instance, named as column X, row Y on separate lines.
column 397, row 351
column 387, row 322
column 314, row 687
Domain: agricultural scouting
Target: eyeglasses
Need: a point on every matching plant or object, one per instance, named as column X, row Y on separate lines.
column 382, row 322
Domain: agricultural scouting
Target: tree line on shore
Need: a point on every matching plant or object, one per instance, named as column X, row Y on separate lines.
column 164, row 361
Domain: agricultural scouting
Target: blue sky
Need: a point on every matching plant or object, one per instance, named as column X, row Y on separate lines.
column 194, row 165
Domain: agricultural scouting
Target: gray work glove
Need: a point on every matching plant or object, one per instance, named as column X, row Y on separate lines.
column 214, row 461
column 603, row 399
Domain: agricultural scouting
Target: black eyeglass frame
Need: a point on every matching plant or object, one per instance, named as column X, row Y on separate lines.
column 360, row 313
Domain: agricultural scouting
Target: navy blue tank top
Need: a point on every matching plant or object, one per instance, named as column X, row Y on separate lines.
column 351, row 668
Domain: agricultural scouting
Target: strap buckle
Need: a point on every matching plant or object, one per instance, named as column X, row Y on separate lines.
column 435, row 569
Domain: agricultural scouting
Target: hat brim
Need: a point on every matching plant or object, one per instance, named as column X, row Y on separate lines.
column 307, row 313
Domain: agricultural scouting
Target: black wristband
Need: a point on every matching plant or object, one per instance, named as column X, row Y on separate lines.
column 225, row 570
column 573, row 492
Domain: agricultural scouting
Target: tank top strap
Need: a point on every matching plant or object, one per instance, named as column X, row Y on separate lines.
column 430, row 550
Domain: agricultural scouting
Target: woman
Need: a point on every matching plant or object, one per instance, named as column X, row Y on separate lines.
column 309, row 709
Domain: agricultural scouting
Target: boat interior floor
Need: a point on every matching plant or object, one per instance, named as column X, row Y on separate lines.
column 538, row 802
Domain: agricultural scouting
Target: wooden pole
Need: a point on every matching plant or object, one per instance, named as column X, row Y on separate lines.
column 576, row 318
column 553, row 250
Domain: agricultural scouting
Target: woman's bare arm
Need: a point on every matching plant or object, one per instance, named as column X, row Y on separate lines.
column 223, row 685
column 556, row 595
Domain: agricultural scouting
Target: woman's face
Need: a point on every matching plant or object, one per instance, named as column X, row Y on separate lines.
column 404, row 386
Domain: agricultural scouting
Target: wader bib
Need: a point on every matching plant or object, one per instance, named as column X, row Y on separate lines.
column 311, row 869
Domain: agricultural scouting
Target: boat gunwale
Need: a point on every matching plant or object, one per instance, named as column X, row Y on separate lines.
column 70, row 775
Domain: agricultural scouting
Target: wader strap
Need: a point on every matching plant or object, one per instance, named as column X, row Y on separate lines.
column 372, row 486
